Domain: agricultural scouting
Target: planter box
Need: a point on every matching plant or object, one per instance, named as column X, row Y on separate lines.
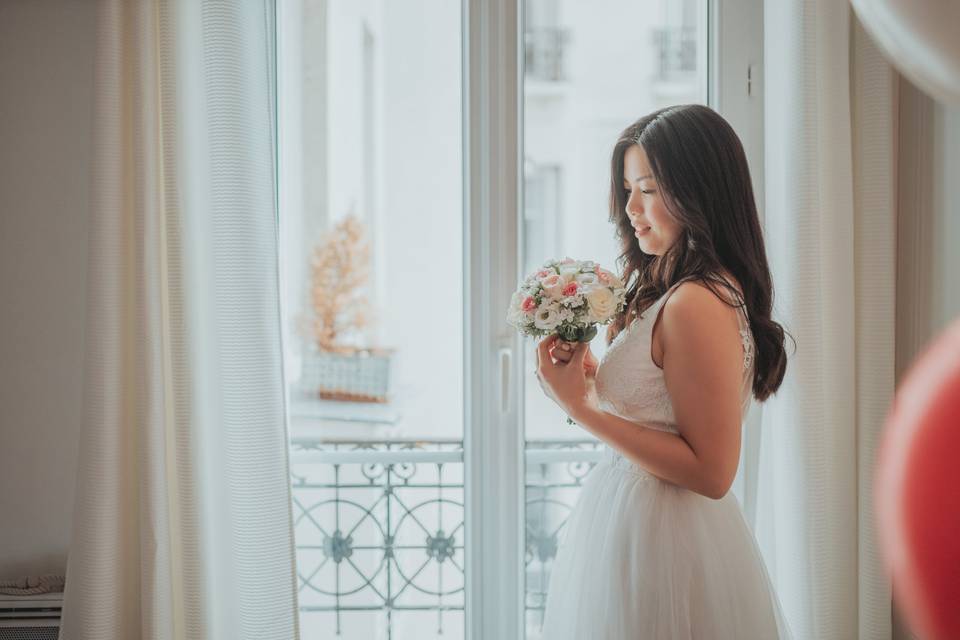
column 362, row 375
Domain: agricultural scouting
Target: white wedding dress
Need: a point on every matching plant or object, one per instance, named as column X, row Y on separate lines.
column 642, row 558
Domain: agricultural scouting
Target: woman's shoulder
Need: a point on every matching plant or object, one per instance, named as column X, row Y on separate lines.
column 706, row 304
column 695, row 313
column 698, row 290
column 694, row 298
column 696, row 321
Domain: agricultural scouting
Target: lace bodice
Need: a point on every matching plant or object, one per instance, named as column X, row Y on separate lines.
column 631, row 386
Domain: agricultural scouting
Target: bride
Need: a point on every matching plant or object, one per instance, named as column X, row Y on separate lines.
column 657, row 547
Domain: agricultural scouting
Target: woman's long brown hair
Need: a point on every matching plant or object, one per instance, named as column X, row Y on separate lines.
column 701, row 171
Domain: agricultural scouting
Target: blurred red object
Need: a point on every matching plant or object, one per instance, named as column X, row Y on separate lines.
column 917, row 491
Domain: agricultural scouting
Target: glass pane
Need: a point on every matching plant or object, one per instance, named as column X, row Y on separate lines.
column 590, row 69
column 369, row 113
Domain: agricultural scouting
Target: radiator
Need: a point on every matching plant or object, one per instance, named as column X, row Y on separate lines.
column 30, row 617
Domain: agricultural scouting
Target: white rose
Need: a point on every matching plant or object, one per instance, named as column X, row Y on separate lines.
column 546, row 318
column 514, row 316
column 602, row 303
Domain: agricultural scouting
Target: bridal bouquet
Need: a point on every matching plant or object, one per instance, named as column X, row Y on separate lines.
column 567, row 297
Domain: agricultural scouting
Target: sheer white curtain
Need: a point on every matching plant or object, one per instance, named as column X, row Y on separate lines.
column 182, row 521
column 830, row 131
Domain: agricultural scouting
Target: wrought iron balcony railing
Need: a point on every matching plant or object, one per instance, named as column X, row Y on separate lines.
column 379, row 526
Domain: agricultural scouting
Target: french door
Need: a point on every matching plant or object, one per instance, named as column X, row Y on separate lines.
column 445, row 149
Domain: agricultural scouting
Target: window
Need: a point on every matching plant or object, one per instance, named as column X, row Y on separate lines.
column 453, row 147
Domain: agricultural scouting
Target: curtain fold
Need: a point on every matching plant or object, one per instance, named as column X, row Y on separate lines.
column 875, row 109
column 830, row 114
column 182, row 523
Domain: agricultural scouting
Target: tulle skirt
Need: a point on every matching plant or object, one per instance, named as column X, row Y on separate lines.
column 646, row 559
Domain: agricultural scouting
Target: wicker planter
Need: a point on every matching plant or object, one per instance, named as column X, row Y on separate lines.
column 362, row 375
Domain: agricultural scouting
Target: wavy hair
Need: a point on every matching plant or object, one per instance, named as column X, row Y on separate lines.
column 701, row 171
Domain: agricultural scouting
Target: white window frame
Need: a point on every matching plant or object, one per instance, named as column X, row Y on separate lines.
column 493, row 411
column 735, row 90
column 493, row 441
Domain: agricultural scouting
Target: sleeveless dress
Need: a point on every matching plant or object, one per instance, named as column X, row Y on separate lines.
column 643, row 558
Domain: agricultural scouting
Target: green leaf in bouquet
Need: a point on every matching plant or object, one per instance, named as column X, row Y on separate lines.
column 576, row 334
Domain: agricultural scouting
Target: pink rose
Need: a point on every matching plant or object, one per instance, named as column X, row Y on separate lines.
column 551, row 280
column 528, row 305
column 570, row 289
column 553, row 285
column 543, row 273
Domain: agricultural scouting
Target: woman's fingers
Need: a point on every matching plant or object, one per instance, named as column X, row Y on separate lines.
column 544, row 348
column 563, row 351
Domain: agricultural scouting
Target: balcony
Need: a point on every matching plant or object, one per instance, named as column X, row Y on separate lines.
column 676, row 49
column 380, row 524
column 544, row 49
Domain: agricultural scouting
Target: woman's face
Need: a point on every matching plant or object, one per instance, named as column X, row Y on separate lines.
column 654, row 228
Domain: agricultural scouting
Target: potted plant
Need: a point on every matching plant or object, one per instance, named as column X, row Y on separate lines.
column 336, row 365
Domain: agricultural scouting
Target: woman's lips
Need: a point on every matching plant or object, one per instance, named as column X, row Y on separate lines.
column 641, row 231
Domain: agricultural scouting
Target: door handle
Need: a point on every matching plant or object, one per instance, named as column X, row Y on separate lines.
column 505, row 355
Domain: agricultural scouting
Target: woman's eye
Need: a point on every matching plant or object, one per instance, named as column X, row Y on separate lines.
column 648, row 191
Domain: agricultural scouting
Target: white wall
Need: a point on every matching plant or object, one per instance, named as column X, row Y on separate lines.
column 46, row 67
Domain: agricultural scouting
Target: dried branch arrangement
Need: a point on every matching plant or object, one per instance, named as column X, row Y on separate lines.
column 340, row 268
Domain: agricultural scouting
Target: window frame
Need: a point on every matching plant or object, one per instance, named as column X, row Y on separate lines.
column 492, row 106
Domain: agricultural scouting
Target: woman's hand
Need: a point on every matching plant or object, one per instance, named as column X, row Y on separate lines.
column 571, row 384
column 563, row 352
